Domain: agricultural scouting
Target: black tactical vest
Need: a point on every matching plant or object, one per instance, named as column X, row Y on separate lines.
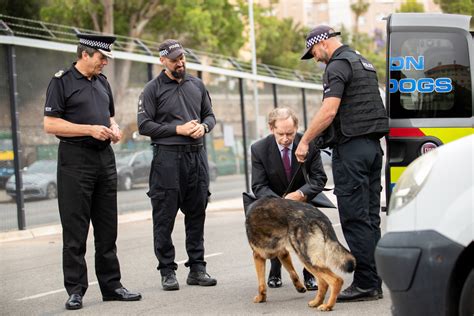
column 361, row 111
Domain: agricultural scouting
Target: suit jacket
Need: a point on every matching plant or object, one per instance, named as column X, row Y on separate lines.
column 268, row 174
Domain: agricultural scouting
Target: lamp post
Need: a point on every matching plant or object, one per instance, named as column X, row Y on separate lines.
column 254, row 67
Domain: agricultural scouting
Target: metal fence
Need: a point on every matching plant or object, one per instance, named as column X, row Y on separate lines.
column 31, row 52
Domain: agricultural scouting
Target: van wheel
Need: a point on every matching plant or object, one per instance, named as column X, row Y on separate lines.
column 51, row 191
column 126, row 183
column 466, row 303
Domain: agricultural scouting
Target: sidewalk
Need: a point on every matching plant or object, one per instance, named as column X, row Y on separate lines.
column 222, row 205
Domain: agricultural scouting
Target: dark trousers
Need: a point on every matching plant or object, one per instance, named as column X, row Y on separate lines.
column 179, row 180
column 275, row 269
column 357, row 166
column 87, row 192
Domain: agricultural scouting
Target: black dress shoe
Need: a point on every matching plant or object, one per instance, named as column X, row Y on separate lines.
column 310, row 284
column 74, row 302
column 200, row 278
column 121, row 294
column 274, row 282
column 356, row 294
column 169, row 282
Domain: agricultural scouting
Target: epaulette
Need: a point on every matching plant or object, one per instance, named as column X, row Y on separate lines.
column 60, row 73
column 101, row 74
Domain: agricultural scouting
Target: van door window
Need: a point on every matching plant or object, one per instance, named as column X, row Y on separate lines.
column 429, row 76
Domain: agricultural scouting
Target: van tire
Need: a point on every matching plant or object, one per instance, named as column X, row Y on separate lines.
column 466, row 303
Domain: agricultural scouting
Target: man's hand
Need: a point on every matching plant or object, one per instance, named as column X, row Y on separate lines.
column 188, row 128
column 302, row 151
column 117, row 133
column 199, row 131
column 101, row 132
column 296, row 196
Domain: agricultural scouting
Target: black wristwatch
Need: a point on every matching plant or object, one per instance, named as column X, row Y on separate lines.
column 206, row 128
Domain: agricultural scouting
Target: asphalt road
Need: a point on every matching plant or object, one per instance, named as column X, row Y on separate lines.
column 31, row 276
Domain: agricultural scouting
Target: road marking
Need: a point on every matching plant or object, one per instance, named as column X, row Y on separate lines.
column 95, row 282
column 47, row 293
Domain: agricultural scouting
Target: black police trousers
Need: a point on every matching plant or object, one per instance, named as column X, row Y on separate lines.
column 275, row 269
column 87, row 192
column 179, row 180
column 357, row 166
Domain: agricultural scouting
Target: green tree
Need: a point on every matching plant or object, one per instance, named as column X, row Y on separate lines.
column 211, row 25
column 28, row 9
column 359, row 8
column 71, row 12
column 456, row 6
column 411, row 6
column 279, row 42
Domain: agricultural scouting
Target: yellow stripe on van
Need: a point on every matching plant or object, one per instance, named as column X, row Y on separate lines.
column 448, row 134
column 395, row 173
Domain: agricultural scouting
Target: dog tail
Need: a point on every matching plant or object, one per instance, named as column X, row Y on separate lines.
column 341, row 258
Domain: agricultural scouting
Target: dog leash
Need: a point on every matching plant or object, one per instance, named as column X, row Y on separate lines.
column 294, row 177
column 306, row 178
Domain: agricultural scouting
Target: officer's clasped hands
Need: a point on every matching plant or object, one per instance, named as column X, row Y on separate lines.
column 116, row 132
column 101, row 132
column 192, row 129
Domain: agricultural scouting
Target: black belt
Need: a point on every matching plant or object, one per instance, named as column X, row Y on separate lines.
column 85, row 144
column 180, row 148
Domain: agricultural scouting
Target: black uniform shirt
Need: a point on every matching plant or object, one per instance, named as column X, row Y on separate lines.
column 74, row 98
column 166, row 103
column 338, row 73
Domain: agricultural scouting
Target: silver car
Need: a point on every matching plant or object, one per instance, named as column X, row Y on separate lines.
column 39, row 181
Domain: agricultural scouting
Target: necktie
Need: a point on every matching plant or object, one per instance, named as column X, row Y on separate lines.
column 286, row 162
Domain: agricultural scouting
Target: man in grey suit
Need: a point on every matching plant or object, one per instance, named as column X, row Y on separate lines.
column 274, row 165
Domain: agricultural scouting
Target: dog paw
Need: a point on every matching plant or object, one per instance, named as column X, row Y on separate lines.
column 325, row 308
column 301, row 289
column 314, row 303
column 260, row 299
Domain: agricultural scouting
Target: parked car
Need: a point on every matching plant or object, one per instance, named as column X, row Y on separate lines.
column 39, row 181
column 133, row 168
column 6, row 171
column 426, row 258
column 212, row 171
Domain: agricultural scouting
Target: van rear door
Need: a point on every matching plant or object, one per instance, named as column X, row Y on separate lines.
column 429, row 90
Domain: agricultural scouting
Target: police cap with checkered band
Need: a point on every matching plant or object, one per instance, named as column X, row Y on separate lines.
column 102, row 43
column 318, row 34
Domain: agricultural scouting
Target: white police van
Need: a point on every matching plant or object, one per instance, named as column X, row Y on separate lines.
column 426, row 258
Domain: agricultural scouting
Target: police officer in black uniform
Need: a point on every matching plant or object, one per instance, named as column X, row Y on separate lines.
column 352, row 119
column 79, row 110
column 175, row 111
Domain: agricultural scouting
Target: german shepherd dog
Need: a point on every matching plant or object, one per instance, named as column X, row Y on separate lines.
column 275, row 225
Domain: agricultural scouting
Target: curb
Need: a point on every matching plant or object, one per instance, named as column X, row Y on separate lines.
column 16, row 235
